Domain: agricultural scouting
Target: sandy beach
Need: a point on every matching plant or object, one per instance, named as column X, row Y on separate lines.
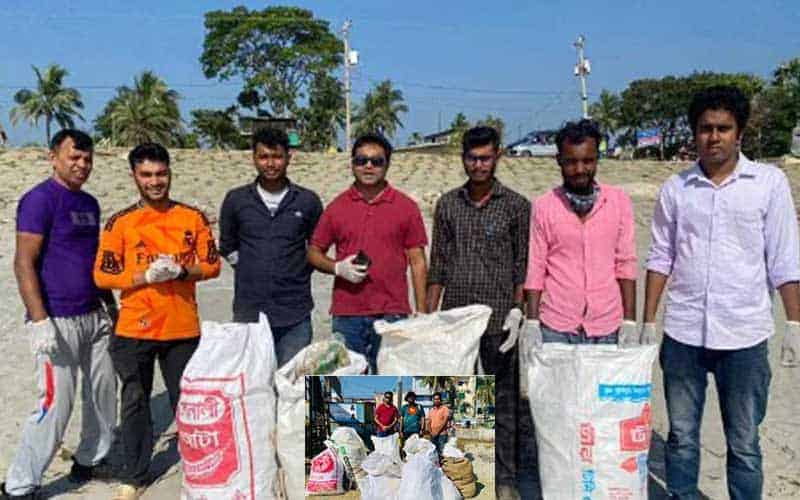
column 202, row 179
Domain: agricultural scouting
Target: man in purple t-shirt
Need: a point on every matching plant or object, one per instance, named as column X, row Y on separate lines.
column 68, row 320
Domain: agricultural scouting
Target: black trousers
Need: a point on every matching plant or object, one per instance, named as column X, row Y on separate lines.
column 505, row 368
column 134, row 361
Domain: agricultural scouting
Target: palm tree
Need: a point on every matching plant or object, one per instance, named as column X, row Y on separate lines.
column 217, row 128
column 380, row 109
column 606, row 112
column 50, row 100
column 146, row 112
column 443, row 384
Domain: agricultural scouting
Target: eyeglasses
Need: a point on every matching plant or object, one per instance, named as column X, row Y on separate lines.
column 471, row 159
column 377, row 161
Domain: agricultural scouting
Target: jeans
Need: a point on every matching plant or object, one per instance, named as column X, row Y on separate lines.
column 383, row 434
column 134, row 360
column 742, row 377
column 439, row 441
column 579, row 337
column 289, row 340
column 358, row 335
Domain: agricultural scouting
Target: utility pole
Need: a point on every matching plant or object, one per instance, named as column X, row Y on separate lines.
column 346, row 33
column 581, row 70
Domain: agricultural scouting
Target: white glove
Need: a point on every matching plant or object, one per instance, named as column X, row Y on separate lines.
column 790, row 348
column 627, row 336
column 648, row 334
column 354, row 273
column 530, row 339
column 513, row 324
column 162, row 269
column 43, row 336
column 233, row 258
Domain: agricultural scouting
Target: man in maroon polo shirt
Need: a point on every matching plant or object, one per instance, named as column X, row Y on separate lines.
column 386, row 416
column 378, row 232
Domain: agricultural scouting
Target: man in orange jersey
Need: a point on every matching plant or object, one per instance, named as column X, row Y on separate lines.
column 154, row 252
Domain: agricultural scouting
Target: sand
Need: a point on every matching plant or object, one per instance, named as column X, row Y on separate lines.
column 203, row 178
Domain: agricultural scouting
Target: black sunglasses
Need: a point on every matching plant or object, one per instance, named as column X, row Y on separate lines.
column 377, row 161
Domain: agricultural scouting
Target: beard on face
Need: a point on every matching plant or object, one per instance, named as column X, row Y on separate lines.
column 584, row 188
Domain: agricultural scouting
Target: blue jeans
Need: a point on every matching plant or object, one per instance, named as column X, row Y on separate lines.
column 358, row 335
column 742, row 377
column 289, row 340
column 439, row 441
column 579, row 337
column 383, row 434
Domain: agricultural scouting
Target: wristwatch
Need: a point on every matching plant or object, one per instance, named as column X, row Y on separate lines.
column 184, row 274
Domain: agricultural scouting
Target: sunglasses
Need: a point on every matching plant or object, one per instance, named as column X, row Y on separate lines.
column 377, row 161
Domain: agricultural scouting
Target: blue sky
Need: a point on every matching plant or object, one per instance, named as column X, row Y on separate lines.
column 366, row 387
column 509, row 58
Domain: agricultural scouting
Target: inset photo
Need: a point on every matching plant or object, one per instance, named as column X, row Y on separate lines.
column 391, row 437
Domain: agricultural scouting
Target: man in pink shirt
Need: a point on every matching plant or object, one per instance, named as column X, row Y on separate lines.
column 581, row 283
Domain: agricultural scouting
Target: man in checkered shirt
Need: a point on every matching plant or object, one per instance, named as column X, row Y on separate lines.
column 479, row 256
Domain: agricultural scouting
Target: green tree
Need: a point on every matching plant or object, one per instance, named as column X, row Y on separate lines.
column 51, row 101
column 496, row 123
column 459, row 125
column 415, row 138
column 275, row 51
column 217, row 128
column 663, row 104
column 606, row 112
column 380, row 110
column 324, row 116
column 146, row 112
column 443, row 384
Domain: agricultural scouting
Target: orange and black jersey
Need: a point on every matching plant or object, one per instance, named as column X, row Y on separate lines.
column 130, row 241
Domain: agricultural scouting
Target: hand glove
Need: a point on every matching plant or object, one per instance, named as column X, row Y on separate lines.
column 354, row 273
column 513, row 324
column 627, row 336
column 43, row 336
column 790, row 348
column 233, row 258
column 530, row 339
column 162, row 269
column 648, row 334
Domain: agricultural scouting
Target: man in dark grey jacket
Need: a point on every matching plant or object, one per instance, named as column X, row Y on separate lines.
column 264, row 230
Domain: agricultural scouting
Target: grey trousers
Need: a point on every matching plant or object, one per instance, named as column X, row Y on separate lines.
column 82, row 345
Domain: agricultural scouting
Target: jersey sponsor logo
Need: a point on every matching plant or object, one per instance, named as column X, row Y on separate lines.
column 83, row 219
column 111, row 264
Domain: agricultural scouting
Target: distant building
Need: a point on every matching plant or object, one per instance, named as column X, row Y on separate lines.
column 248, row 125
column 439, row 137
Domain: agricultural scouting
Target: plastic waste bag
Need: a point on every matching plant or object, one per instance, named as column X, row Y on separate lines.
column 420, row 479
column 593, row 426
column 389, row 446
column 441, row 343
column 348, row 445
column 226, row 413
column 314, row 359
column 327, row 475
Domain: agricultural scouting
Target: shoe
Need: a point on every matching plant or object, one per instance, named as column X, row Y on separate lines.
column 5, row 495
column 84, row 473
column 128, row 492
column 507, row 492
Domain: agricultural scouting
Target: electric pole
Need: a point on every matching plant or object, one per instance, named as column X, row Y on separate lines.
column 346, row 33
column 581, row 70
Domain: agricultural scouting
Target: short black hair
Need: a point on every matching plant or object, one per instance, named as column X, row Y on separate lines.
column 437, row 394
column 480, row 136
column 149, row 151
column 388, row 393
column 81, row 139
column 577, row 132
column 727, row 97
column 410, row 394
column 271, row 137
column 372, row 138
